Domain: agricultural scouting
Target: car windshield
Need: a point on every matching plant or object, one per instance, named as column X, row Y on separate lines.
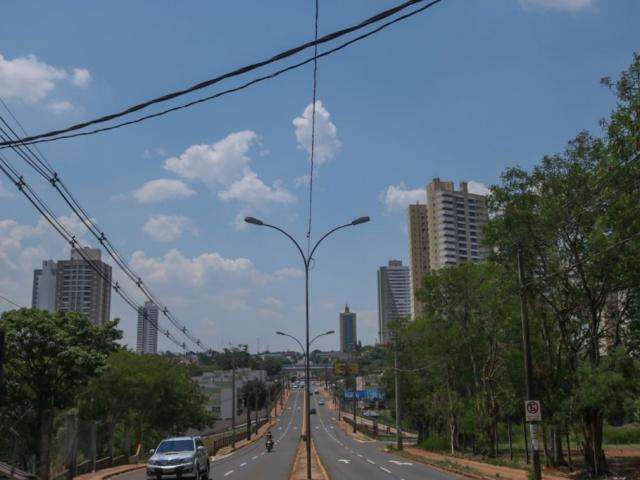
column 175, row 446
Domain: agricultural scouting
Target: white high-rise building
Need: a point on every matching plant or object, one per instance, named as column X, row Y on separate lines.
column 394, row 296
column 147, row 341
column 44, row 286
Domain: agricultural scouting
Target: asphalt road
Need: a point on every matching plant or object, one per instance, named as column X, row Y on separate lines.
column 347, row 458
column 252, row 462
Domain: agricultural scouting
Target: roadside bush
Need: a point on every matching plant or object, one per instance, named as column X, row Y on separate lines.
column 627, row 434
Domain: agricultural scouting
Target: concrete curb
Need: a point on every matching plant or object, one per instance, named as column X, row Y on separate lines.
column 109, row 473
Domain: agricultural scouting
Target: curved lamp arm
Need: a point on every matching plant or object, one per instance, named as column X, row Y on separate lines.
column 304, row 258
column 330, row 332
column 357, row 221
column 297, row 341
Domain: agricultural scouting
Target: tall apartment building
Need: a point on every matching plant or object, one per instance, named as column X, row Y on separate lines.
column 456, row 220
column 348, row 332
column 394, row 296
column 147, row 340
column 44, row 286
column 446, row 231
column 79, row 288
column 418, row 252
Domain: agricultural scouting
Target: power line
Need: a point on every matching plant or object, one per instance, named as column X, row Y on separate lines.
column 38, row 163
column 313, row 127
column 11, row 302
column 46, row 137
column 63, row 231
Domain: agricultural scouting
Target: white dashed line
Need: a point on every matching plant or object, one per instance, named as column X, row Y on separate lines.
column 371, row 462
column 229, row 473
column 243, row 464
column 385, row 470
column 253, row 458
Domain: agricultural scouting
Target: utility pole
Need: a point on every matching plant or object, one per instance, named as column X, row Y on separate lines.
column 233, row 401
column 397, row 387
column 1, row 364
column 536, row 472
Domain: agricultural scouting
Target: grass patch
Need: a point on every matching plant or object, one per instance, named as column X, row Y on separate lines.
column 625, row 435
column 435, row 444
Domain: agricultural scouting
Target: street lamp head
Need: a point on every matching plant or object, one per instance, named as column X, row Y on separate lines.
column 360, row 220
column 254, row 221
column 280, row 333
column 330, row 332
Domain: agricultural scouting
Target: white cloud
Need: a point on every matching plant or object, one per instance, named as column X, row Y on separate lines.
column 303, row 180
column 288, row 272
column 162, row 189
column 31, row 80
column 81, row 77
column 571, row 6
column 478, row 188
column 167, row 228
column 174, row 267
column 59, row 106
column 398, row 197
column 217, row 165
column 272, row 302
column 327, row 143
column 27, row 78
column 253, row 191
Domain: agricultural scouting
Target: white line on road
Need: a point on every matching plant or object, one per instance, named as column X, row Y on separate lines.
column 229, row 472
column 371, row 462
column 243, row 464
column 385, row 470
column 253, row 458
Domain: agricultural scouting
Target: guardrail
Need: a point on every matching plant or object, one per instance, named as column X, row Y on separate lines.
column 15, row 473
column 220, row 440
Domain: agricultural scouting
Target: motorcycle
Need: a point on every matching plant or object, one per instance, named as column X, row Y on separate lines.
column 269, row 445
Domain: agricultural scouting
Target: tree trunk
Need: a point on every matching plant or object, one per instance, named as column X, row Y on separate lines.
column 569, row 450
column 126, row 444
column 558, row 456
column 545, row 446
column 496, row 436
column 44, row 443
column 593, row 453
column 526, row 440
column 510, row 440
column 112, row 438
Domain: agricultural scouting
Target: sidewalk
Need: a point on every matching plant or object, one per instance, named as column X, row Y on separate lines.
column 109, row 472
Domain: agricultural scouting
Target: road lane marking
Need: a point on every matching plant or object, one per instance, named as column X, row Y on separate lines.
column 229, row 473
column 371, row 462
column 360, row 455
column 243, row 464
column 385, row 470
column 400, row 463
column 253, row 458
column 344, row 460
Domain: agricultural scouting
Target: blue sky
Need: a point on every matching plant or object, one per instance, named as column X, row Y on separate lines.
column 461, row 92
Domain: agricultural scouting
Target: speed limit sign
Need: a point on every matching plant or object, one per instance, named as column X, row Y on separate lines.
column 532, row 411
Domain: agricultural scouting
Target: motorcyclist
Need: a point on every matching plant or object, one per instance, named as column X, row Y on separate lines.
column 269, row 441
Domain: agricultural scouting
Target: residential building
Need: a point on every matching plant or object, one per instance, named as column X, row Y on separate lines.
column 147, row 341
column 394, row 296
column 418, row 252
column 79, row 288
column 44, row 286
column 348, row 332
column 456, row 222
column 217, row 387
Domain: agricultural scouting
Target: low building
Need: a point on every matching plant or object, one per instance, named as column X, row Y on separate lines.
column 217, row 387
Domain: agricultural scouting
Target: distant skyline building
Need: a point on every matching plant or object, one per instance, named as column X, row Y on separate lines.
column 448, row 230
column 79, row 288
column 44, row 286
column 348, row 330
column 147, row 339
column 394, row 296
column 418, row 252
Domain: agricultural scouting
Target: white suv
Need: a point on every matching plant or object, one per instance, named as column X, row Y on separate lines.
column 184, row 457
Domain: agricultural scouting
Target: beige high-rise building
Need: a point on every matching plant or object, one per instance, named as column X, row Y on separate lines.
column 448, row 230
column 456, row 221
column 79, row 288
column 418, row 252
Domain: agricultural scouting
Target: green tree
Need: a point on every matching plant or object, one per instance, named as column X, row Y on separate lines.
column 49, row 359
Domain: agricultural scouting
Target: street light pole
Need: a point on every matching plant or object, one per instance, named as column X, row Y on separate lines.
column 306, row 259
column 397, row 386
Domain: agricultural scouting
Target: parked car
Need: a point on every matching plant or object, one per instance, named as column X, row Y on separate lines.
column 186, row 456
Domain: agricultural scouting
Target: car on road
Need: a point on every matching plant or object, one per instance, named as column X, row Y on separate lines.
column 184, row 457
column 321, row 401
column 370, row 414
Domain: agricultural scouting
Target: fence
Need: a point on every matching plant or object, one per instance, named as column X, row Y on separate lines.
column 220, row 440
